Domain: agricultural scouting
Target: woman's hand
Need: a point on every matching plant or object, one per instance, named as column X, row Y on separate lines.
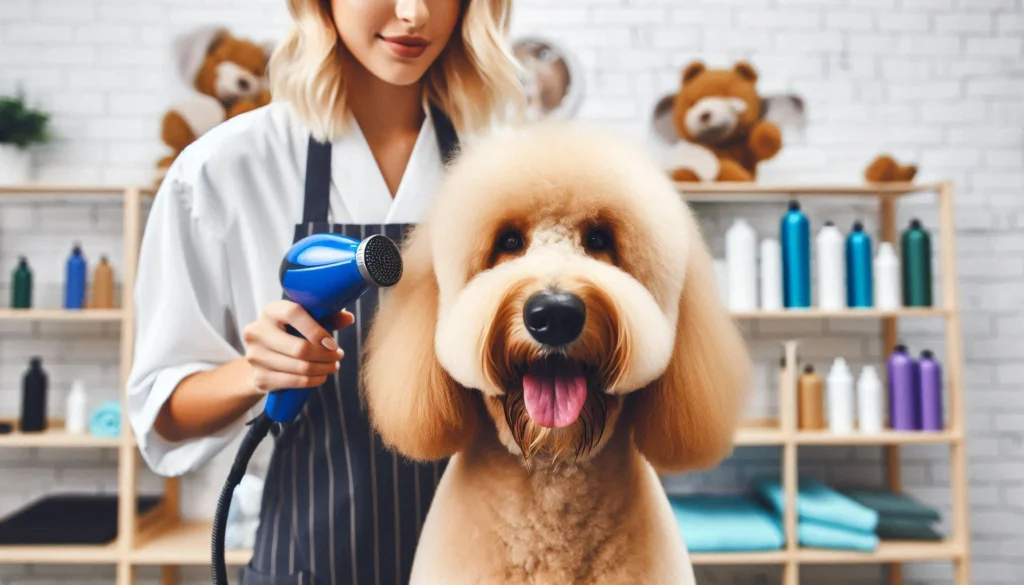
column 279, row 360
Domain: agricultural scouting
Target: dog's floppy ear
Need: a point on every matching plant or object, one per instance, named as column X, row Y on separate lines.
column 686, row 419
column 417, row 408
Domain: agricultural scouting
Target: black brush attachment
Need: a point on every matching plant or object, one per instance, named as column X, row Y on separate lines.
column 380, row 261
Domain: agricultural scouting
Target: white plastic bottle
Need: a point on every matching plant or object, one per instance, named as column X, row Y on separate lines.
column 870, row 401
column 831, row 265
column 741, row 263
column 771, row 275
column 839, row 388
column 77, row 410
column 887, row 278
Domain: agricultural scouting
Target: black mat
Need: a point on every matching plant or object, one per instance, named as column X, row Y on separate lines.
column 60, row 519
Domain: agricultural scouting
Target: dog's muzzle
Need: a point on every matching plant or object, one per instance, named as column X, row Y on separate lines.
column 554, row 318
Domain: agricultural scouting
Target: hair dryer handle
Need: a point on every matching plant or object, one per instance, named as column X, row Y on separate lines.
column 284, row 405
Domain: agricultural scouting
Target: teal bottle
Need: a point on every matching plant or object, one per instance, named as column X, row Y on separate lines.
column 859, row 278
column 916, row 249
column 795, row 238
column 21, row 286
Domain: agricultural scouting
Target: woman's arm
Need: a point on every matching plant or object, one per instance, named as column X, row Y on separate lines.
column 206, row 402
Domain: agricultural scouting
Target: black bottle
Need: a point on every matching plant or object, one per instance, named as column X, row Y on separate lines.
column 33, row 398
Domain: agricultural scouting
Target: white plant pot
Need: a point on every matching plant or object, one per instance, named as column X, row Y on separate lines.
column 15, row 165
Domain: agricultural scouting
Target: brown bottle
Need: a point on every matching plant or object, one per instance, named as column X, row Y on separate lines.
column 811, row 398
column 102, row 293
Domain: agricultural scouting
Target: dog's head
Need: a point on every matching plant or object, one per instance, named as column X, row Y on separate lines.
column 562, row 277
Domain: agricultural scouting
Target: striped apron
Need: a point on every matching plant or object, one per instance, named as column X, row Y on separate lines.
column 338, row 508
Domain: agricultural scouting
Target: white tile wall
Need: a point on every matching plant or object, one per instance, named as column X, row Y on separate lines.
column 938, row 82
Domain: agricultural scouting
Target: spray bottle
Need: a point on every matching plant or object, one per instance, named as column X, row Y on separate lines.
column 840, row 397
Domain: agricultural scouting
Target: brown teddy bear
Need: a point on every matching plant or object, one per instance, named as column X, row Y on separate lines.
column 720, row 111
column 885, row 169
column 229, row 74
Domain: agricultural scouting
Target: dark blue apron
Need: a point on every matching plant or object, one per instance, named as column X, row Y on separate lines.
column 339, row 509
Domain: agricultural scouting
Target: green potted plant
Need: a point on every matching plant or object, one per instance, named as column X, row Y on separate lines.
column 21, row 127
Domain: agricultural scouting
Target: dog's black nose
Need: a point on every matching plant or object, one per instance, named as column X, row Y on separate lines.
column 554, row 317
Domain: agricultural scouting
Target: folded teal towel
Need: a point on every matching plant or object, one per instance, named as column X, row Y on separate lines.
column 105, row 420
column 725, row 523
column 893, row 504
column 824, row 535
column 893, row 528
column 820, row 503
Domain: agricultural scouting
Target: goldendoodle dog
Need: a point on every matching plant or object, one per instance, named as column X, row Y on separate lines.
column 558, row 333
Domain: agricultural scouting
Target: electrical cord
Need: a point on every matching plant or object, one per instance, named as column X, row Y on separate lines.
column 258, row 429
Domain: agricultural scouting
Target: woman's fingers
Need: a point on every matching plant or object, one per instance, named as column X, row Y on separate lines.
column 289, row 313
column 268, row 335
column 343, row 319
column 271, row 381
column 284, row 364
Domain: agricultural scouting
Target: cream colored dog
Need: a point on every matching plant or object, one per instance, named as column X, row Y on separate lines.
column 558, row 333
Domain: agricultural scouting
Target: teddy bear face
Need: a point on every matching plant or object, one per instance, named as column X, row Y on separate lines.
column 234, row 69
column 714, row 106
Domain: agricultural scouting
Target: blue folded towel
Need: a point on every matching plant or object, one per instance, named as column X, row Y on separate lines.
column 724, row 523
column 820, row 503
column 105, row 420
column 824, row 535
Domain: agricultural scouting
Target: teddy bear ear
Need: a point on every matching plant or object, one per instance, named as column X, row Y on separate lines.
column 746, row 70
column 693, row 70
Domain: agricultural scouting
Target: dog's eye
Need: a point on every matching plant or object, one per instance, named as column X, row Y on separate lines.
column 510, row 241
column 599, row 240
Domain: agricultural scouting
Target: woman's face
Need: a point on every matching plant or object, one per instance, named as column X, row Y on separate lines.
column 396, row 40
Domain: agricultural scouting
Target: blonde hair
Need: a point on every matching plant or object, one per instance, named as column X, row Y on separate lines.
column 475, row 80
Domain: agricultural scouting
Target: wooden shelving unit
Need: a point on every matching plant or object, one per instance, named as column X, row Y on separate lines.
column 784, row 433
column 161, row 538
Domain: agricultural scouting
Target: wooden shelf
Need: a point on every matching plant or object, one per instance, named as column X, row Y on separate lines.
column 56, row 436
column 813, row 313
column 104, row 554
column 887, row 552
column 760, row 192
column 771, row 557
column 37, row 189
column 760, row 432
column 112, row 315
column 886, row 437
column 183, row 543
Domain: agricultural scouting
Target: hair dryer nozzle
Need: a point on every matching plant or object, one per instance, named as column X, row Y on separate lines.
column 379, row 260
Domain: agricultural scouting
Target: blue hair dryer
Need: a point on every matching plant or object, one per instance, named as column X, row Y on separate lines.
column 323, row 273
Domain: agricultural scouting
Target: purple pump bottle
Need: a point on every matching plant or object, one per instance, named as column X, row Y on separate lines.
column 930, row 387
column 902, row 391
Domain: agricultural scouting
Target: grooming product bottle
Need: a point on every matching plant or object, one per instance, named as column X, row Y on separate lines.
column 929, row 385
column 917, row 266
column 810, row 398
column 33, row 398
column 887, row 278
column 741, row 262
column 771, row 275
column 902, row 392
column 102, row 292
column 795, row 237
column 859, row 277
column 76, row 418
column 21, row 285
column 831, row 278
column 74, row 279
column 840, row 397
column 870, row 401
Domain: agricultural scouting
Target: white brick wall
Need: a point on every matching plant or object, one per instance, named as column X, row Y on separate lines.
column 934, row 81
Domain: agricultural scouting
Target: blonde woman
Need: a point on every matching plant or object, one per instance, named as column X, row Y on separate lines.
column 370, row 99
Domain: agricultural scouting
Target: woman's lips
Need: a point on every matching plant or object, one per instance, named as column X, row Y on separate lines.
column 406, row 47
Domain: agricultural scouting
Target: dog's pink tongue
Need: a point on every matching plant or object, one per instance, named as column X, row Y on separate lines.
column 554, row 395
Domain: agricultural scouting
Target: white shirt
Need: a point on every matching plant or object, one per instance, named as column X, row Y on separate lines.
column 223, row 218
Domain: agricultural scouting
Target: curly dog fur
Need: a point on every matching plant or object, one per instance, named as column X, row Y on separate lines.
column 567, row 208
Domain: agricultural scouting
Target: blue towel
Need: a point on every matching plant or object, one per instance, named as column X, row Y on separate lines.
column 723, row 523
column 824, row 535
column 820, row 503
column 105, row 420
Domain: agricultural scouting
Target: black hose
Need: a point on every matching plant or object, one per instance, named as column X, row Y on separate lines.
column 258, row 429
